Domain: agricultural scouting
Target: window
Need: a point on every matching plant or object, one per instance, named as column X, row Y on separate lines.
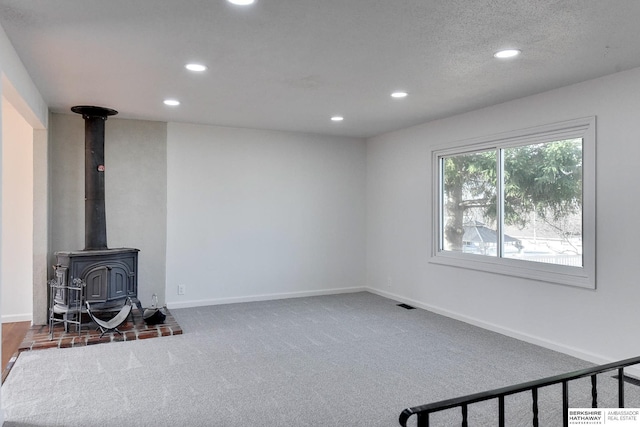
column 520, row 204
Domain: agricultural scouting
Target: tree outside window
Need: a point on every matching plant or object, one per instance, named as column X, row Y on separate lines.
column 520, row 202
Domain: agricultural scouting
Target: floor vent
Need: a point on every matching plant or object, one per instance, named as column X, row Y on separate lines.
column 407, row 306
column 629, row 380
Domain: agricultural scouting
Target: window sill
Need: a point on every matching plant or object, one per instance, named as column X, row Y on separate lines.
column 542, row 272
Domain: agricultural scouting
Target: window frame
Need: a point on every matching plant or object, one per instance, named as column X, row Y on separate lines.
column 583, row 277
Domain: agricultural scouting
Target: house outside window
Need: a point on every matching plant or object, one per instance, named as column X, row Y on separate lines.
column 521, row 203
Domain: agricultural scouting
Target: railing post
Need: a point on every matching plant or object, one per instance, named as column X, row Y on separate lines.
column 534, row 394
column 464, row 416
column 565, row 403
column 501, row 411
column 594, row 391
column 423, row 419
column 621, row 388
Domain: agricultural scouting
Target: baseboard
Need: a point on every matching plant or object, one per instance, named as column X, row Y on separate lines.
column 633, row 371
column 264, row 297
column 10, row 318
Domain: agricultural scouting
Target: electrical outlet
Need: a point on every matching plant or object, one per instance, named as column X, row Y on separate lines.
column 182, row 289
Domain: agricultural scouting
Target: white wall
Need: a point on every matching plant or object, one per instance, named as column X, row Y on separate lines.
column 41, row 266
column 16, row 275
column 135, row 192
column 598, row 325
column 261, row 214
column 16, row 85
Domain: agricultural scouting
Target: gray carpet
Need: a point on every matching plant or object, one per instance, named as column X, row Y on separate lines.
column 340, row 360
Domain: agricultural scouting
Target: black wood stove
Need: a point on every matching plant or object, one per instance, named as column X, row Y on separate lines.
column 110, row 275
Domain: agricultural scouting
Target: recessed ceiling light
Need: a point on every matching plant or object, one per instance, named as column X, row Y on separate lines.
column 171, row 102
column 195, row 67
column 337, row 118
column 241, row 2
column 399, row 94
column 507, row 53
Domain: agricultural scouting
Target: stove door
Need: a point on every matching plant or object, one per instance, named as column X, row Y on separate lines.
column 97, row 280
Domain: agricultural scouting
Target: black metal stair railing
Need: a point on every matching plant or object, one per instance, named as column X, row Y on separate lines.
column 422, row 412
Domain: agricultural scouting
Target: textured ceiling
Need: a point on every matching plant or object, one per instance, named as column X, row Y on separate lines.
column 292, row 64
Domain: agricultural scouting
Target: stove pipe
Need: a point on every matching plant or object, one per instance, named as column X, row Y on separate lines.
column 95, row 223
